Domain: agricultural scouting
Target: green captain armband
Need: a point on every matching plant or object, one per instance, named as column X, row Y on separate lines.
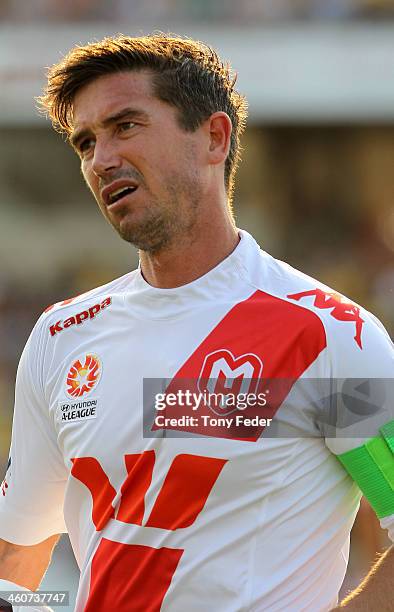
column 372, row 467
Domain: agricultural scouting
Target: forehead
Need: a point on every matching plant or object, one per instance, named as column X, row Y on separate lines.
column 109, row 93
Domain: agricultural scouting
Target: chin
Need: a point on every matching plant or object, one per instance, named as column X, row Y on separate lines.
column 145, row 230
column 150, row 242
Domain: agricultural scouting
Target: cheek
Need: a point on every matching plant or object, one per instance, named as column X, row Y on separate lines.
column 90, row 178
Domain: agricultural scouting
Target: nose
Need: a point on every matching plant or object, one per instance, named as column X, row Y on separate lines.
column 106, row 158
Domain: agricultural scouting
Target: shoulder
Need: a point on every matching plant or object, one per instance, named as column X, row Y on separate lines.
column 67, row 315
column 72, row 313
column 86, row 306
column 116, row 286
column 357, row 342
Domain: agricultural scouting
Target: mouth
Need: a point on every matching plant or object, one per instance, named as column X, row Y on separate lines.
column 117, row 191
column 119, row 194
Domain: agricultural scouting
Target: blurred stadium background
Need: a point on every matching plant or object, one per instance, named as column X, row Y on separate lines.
column 316, row 185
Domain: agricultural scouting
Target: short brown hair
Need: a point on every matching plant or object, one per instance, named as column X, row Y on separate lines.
column 187, row 74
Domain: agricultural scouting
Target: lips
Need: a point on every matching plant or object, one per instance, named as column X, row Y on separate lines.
column 118, row 190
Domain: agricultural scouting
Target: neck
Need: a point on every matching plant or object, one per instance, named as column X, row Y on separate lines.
column 191, row 256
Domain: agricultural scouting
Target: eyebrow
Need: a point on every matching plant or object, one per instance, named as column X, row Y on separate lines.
column 132, row 113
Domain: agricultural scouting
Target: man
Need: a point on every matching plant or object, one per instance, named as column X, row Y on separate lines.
column 165, row 513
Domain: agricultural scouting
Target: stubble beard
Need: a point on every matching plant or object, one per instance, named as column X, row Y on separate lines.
column 165, row 223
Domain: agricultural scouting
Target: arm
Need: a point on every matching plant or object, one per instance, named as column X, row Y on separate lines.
column 364, row 444
column 376, row 590
column 26, row 565
column 33, row 493
column 31, row 504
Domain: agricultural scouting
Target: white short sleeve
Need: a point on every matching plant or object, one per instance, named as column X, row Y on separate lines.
column 364, row 385
column 32, row 493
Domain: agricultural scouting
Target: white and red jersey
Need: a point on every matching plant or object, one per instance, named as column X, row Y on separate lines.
column 189, row 521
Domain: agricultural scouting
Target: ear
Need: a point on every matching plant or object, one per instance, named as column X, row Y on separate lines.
column 220, row 128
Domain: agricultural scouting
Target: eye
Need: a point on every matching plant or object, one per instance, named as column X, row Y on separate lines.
column 126, row 125
column 85, row 145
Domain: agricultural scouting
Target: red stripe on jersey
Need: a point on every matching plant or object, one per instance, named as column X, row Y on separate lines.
column 185, row 491
column 128, row 577
column 139, row 468
column 284, row 337
column 89, row 471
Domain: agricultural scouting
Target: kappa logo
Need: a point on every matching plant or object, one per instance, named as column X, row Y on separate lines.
column 223, row 373
column 83, row 376
column 80, row 317
column 341, row 309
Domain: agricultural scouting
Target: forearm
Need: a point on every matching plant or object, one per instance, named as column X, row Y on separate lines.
column 26, row 565
column 376, row 591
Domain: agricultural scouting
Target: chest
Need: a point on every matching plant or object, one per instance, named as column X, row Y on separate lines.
column 103, row 380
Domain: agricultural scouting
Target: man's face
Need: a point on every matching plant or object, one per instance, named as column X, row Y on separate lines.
column 144, row 170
